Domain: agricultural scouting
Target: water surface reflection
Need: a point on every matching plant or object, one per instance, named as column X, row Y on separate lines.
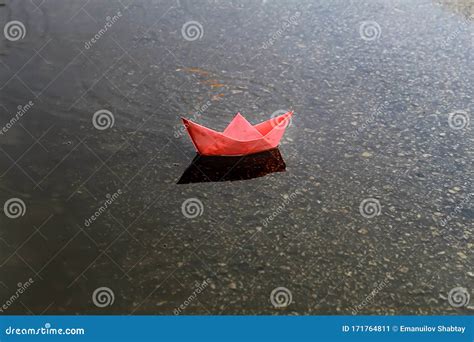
column 220, row 169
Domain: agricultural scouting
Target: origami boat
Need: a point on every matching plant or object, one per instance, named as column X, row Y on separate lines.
column 239, row 138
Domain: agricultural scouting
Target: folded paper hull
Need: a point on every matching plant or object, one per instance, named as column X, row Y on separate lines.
column 253, row 139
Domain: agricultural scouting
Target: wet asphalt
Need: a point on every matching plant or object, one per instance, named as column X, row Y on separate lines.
column 371, row 214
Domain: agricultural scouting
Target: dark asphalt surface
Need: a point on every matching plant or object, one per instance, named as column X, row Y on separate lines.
column 375, row 86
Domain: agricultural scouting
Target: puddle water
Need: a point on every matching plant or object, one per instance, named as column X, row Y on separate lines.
column 375, row 87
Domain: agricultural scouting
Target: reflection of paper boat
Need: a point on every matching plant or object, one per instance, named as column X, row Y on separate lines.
column 219, row 169
column 239, row 138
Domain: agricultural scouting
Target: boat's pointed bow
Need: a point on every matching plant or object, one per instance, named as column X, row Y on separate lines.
column 185, row 122
column 191, row 132
column 283, row 120
column 205, row 140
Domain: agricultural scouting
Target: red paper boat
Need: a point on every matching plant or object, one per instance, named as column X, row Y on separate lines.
column 239, row 138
